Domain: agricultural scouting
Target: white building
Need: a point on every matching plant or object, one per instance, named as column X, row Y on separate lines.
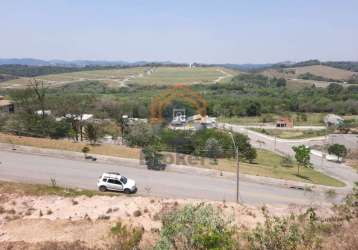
column 333, row 120
column 195, row 122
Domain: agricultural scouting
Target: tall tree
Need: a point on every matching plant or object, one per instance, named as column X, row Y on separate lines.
column 40, row 92
column 91, row 133
column 302, row 155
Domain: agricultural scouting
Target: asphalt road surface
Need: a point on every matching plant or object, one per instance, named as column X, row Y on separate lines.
column 16, row 166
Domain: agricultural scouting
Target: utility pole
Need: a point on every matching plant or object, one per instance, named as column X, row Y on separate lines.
column 237, row 169
column 237, row 175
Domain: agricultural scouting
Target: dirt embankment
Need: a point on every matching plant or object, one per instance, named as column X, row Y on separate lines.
column 36, row 219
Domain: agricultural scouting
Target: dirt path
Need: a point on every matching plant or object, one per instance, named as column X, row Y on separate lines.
column 225, row 75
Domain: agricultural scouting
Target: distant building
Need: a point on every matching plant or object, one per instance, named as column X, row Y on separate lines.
column 284, row 122
column 333, row 120
column 195, row 122
column 6, row 106
column 46, row 112
column 134, row 120
column 83, row 117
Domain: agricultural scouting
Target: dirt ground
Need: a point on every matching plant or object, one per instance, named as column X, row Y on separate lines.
column 35, row 219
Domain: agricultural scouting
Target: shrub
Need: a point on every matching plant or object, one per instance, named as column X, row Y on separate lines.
column 85, row 150
column 288, row 233
column 124, row 238
column 103, row 217
column 140, row 134
column 196, row 227
column 137, row 213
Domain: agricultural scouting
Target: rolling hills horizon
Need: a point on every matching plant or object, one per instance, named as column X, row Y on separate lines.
column 87, row 63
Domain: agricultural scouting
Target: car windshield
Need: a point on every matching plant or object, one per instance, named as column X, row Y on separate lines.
column 123, row 180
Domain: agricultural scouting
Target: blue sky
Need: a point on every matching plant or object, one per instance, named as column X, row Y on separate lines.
column 230, row 31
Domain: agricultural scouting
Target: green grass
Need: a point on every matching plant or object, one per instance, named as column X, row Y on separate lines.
column 41, row 190
column 269, row 164
column 292, row 134
column 313, row 119
column 175, row 75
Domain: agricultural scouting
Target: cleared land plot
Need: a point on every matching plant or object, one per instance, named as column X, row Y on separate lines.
column 170, row 76
column 297, row 84
column 293, row 81
column 318, row 70
column 267, row 163
column 115, row 78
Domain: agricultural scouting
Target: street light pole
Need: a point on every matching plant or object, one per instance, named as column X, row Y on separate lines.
column 237, row 168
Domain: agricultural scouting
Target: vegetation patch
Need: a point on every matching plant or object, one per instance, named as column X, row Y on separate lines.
column 41, row 190
column 292, row 133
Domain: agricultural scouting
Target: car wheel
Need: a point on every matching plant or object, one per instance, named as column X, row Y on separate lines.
column 102, row 189
column 127, row 191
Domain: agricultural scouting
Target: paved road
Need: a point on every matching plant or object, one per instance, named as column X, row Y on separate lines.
column 284, row 146
column 75, row 173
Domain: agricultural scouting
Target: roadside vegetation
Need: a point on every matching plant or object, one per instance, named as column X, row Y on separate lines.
column 299, row 119
column 203, row 227
column 292, row 133
column 42, row 189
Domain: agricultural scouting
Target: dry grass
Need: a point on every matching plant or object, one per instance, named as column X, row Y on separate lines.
column 346, row 238
column 352, row 163
column 104, row 149
column 41, row 190
column 325, row 71
column 142, row 75
column 318, row 70
column 112, row 77
column 181, row 75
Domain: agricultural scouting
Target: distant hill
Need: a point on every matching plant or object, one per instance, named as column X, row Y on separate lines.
column 79, row 63
column 24, row 61
column 346, row 65
column 315, row 72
